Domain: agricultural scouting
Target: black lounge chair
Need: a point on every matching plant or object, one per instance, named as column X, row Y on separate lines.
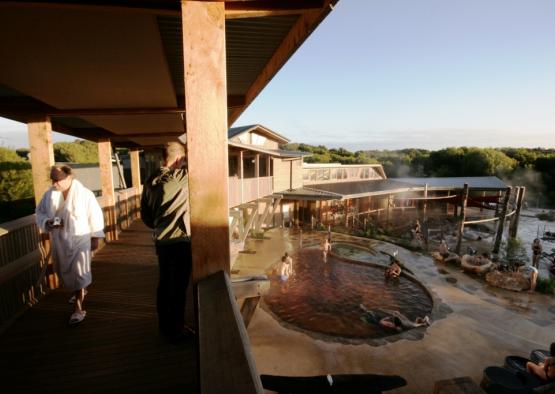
column 516, row 363
column 497, row 380
column 539, row 355
column 352, row 384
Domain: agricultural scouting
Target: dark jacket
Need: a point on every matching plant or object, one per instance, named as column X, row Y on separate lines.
column 164, row 205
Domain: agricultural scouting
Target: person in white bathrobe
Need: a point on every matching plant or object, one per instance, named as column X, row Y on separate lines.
column 70, row 213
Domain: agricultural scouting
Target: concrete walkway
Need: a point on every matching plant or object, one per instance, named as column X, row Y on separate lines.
column 485, row 325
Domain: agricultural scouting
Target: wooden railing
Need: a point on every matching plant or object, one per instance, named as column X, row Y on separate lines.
column 225, row 360
column 24, row 255
column 249, row 189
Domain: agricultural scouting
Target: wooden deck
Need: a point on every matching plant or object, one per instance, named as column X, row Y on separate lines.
column 116, row 348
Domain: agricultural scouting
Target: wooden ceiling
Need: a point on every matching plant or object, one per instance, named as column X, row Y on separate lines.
column 114, row 69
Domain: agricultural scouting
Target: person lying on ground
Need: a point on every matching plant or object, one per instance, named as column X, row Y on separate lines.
column 391, row 319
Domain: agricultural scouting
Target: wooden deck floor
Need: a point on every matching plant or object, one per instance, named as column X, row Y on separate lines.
column 116, row 349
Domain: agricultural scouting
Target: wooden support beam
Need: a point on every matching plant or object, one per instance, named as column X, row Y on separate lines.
column 135, row 163
column 501, row 224
column 107, row 186
column 257, row 173
column 233, row 9
column 204, row 52
column 513, row 231
column 464, row 200
column 135, row 167
column 42, row 155
column 242, row 175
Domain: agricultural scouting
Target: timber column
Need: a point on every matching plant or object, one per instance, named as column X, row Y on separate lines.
column 136, row 180
column 206, row 117
column 513, row 230
column 42, row 154
column 107, row 183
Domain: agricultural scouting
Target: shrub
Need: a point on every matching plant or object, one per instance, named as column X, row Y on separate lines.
column 514, row 253
column 547, row 216
column 545, row 286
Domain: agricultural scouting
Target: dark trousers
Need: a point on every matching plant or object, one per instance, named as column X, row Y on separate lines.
column 174, row 261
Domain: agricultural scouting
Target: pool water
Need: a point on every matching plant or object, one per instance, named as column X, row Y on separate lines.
column 324, row 297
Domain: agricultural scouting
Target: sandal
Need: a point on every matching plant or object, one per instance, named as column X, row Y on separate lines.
column 77, row 317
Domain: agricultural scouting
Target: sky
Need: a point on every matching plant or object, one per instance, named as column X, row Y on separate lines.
column 394, row 74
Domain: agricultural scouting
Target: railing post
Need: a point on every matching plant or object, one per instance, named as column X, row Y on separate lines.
column 513, row 230
column 501, row 224
column 464, row 200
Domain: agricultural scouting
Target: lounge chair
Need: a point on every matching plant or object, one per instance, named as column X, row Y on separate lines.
column 497, row 380
column 355, row 384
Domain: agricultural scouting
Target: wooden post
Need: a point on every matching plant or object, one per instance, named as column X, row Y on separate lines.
column 241, row 175
column 257, row 173
column 425, row 207
column 501, row 222
column 42, row 154
column 206, row 117
column 135, row 163
column 462, row 218
column 513, row 231
column 107, row 186
column 135, row 167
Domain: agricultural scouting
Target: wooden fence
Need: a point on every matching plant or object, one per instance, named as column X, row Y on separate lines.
column 25, row 266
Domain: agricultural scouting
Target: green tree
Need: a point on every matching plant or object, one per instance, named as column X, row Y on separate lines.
column 485, row 162
column 79, row 151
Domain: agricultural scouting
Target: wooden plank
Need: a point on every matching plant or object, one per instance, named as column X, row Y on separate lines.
column 206, row 116
column 298, row 33
column 226, row 364
column 42, row 154
column 248, row 308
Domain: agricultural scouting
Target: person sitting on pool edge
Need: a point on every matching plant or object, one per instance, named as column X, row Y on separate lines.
column 286, row 269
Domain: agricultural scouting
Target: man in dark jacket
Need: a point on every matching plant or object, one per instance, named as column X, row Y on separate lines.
column 164, row 208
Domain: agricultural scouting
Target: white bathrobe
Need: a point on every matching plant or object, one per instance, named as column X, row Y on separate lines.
column 82, row 219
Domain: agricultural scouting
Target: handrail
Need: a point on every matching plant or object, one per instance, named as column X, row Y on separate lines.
column 224, row 349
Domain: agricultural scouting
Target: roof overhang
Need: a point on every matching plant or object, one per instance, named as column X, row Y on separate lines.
column 115, row 69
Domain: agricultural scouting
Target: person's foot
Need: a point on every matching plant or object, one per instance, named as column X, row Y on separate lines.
column 77, row 317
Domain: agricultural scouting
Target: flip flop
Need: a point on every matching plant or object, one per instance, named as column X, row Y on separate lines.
column 72, row 298
column 77, row 317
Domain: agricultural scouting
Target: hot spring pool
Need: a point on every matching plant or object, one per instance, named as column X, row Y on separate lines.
column 324, row 297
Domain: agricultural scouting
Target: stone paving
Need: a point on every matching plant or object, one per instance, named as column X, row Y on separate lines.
column 474, row 326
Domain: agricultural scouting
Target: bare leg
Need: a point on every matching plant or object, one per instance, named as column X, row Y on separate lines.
column 79, row 298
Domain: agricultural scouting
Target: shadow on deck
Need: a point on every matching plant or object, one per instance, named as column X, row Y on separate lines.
column 116, row 348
